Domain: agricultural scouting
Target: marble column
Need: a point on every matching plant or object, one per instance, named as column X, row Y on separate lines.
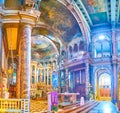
column 67, row 80
column 47, row 76
column 51, row 77
column 114, row 84
column 35, row 75
column 44, row 75
column 113, row 42
column 0, row 59
column 25, row 61
column 87, row 79
column 18, row 79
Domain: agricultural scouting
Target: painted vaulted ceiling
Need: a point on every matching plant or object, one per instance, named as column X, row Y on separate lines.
column 61, row 25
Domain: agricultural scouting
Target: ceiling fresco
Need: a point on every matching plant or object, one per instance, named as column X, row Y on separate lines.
column 49, row 34
column 97, row 9
column 59, row 18
column 41, row 48
column 119, row 15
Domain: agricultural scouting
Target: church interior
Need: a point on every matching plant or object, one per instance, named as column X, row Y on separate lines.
column 59, row 56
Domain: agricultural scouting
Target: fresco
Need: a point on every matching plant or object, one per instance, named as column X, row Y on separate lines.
column 42, row 31
column 99, row 18
column 97, row 10
column 41, row 48
column 49, row 34
column 58, row 16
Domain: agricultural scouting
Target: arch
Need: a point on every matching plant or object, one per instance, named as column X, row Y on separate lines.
column 104, row 86
column 95, row 37
column 52, row 30
column 101, row 47
column 84, row 26
column 47, row 39
column 98, row 74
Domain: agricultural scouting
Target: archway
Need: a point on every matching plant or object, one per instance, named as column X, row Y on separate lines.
column 104, row 86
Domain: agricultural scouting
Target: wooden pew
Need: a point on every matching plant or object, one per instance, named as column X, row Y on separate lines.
column 68, row 107
column 89, row 108
column 83, row 108
column 74, row 107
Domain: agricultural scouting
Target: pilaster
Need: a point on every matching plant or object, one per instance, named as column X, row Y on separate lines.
column 67, row 80
column 0, row 60
column 114, row 84
column 87, row 79
column 18, row 78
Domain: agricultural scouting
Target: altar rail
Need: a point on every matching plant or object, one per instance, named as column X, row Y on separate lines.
column 14, row 105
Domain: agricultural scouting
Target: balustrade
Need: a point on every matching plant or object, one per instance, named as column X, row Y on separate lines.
column 14, row 105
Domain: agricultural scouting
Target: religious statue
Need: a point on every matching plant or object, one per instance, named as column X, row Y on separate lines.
column 5, row 93
column 29, row 3
column 37, row 4
column 4, row 75
column 10, row 73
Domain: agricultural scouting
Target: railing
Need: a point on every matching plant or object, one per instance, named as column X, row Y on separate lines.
column 14, row 105
column 102, row 59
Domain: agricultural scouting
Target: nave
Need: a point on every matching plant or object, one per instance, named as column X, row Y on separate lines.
column 89, row 107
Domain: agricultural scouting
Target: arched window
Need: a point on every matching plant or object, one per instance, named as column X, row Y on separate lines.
column 82, row 46
column 101, row 47
column 42, row 75
column 33, row 68
column 105, row 81
column 63, row 53
column 39, row 78
column 75, row 48
column 70, row 51
column 33, row 80
column 38, row 75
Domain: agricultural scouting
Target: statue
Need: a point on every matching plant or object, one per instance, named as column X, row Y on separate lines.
column 5, row 93
column 37, row 4
column 10, row 73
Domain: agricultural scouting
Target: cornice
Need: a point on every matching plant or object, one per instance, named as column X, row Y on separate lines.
column 18, row 16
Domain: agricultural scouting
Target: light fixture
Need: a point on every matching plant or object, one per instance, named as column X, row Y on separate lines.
column 101, row 37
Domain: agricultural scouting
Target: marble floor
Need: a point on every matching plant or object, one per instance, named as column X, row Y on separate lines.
column 105, row 107
column 38, row 106
column 102, row 107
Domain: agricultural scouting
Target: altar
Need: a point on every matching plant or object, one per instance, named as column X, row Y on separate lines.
column 68, row 97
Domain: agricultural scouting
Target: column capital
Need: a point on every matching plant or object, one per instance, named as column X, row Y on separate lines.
column 26, row 25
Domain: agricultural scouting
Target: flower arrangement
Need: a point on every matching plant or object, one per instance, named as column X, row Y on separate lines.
column 54, row 107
